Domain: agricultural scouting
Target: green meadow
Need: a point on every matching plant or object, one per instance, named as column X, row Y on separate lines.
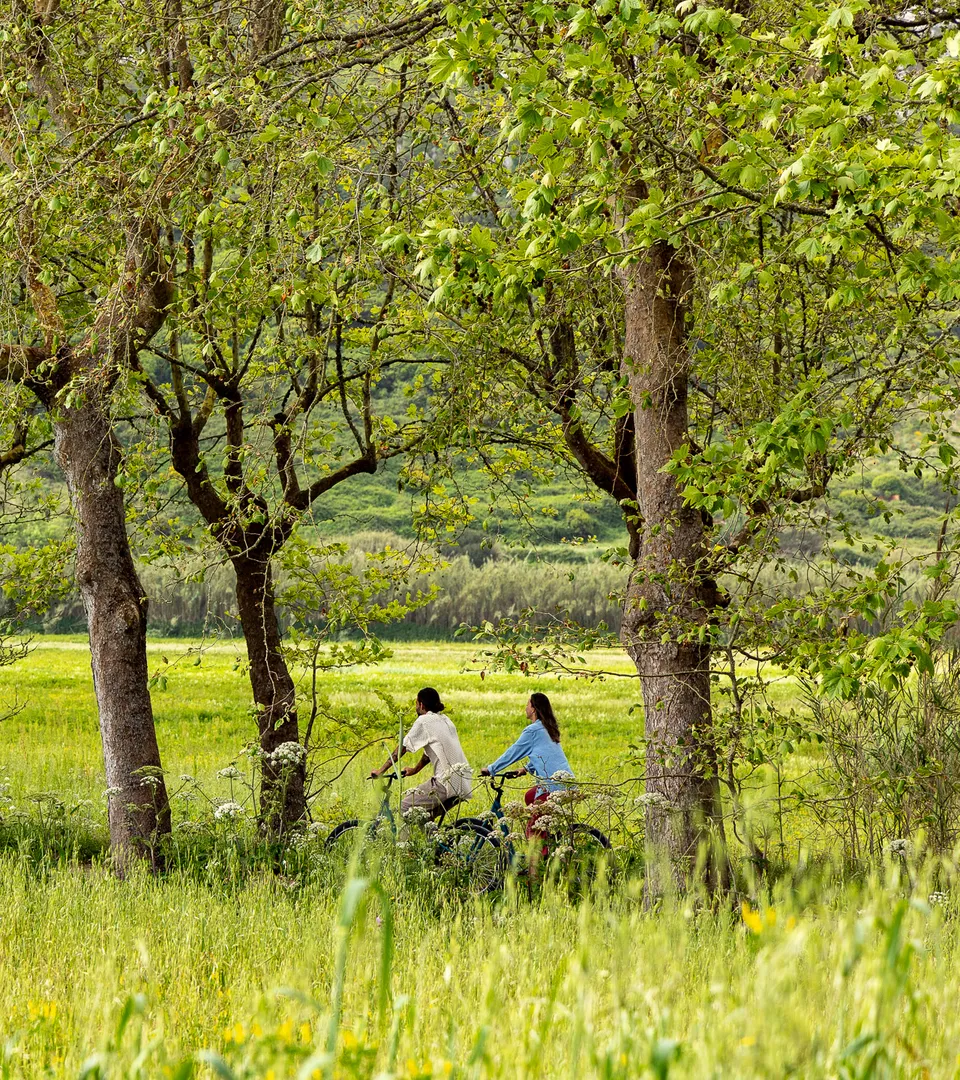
column 815, row 973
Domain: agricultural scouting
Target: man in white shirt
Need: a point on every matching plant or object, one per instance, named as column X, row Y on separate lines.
column 433, row 733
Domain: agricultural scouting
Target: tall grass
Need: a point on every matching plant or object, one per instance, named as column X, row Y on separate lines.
column 263, row 981
column 231, row 967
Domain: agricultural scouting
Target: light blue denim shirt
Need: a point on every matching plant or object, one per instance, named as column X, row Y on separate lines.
column 544, row 756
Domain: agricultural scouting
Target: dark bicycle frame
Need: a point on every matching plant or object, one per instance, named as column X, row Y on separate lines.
column 497, row 782
column 385, row 813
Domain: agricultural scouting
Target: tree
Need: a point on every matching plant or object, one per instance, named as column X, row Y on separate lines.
column 285, row 313
column 169, row 171
column 69, row 351
column 714, row 249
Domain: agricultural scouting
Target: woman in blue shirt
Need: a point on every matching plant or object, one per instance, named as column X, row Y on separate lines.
column 539, row 743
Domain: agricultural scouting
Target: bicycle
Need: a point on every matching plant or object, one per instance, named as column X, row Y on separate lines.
column 465, row 846
column 580, row 848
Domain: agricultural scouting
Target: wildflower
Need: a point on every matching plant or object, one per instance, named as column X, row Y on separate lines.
column 231, row 772
column 431, row 828
column 227, row 811
column 654, row 800
column 459, row 768
column 186, row 778
column 150, row 780
column 416, row 815
column 900, row 849
column 938, row 899
column 562, row 776
column 287, row 755
column 111, row 792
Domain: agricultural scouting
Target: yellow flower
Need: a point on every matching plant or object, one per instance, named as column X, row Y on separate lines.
column 256, row 1030
column 285, row 1031
column 306, row 1035
column 754, row 921
column 349, row 1041
column 748, row 1040
column 751, row 919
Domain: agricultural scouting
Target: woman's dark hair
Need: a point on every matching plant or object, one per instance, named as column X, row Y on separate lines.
column 544, row 710
column 430, row 699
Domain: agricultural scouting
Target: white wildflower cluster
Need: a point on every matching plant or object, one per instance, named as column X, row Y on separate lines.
column 604, row 801
column 431, row 828
column 655, row 800
column 562, row 776
column 549, row 817
column 227, row 811
column 416, row 815
column 459, row 768
column 566, row 796
column 899, row 849
column 938, row 899
column 287, row 755
column 562, row 853
column 515, row 811
column 151, row 780
column 317, row 830
column 112, row 792
column 189, row 826
column 186, row 778
column 231, row 772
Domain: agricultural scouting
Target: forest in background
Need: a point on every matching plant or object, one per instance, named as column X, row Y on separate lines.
column 551, row 549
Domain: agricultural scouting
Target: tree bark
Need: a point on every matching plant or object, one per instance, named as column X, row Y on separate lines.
column 116, row 608
column 669, row 599
column 282, row 791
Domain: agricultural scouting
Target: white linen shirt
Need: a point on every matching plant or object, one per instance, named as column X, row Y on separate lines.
column 435, row 734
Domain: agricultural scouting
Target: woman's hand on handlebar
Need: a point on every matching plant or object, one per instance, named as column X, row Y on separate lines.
column 484, row 772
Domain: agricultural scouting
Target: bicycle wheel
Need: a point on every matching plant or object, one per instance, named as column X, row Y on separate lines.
column 473, row 856
column 583, row 855
column 361, row 837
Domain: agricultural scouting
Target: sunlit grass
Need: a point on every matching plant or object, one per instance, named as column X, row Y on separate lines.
column 814, row 977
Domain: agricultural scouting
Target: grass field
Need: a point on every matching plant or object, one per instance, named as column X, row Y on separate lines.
column 273, row 976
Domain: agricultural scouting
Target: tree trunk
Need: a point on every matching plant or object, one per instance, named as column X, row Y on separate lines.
column 116, row 608
column 669, row 600
column 282, row 792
